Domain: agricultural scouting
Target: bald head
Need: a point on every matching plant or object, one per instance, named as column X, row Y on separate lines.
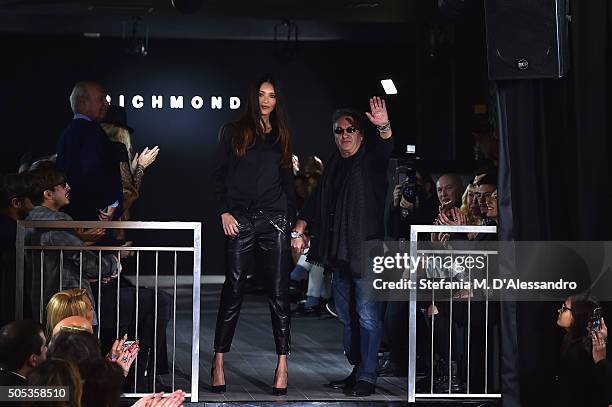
column 89, row 98
column 449, row 188
column 74, row 321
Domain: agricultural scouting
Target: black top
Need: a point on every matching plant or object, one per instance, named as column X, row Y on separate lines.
column 580, row 383
column 254, row 181
column 120, row 152
column 8, row 378
column 378, row 151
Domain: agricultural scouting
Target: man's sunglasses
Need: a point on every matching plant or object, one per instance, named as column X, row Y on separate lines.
column 350, row 130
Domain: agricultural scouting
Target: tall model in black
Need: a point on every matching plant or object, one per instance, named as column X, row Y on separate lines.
column 256, row 201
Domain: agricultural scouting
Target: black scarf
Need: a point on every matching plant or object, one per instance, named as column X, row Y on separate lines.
column 342, row 245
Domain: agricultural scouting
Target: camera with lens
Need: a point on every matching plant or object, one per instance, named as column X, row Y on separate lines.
column 405, row 171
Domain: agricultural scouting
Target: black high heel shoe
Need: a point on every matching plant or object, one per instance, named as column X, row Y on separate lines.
column 215, row 389
column 278, row 391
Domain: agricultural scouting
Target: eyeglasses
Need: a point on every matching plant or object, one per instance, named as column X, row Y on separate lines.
column 62, row 184
column 350, row 130
column 564, row 308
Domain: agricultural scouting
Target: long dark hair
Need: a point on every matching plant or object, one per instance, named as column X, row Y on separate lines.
column 578, row 332
column 249, row 127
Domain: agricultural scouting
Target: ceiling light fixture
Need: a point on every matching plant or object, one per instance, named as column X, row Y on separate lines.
column 389, row 86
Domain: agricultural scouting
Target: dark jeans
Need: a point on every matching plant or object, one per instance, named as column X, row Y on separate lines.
column 362, row 321
column 262, row 242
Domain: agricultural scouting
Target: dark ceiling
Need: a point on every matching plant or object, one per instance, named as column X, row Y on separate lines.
column 215, row 19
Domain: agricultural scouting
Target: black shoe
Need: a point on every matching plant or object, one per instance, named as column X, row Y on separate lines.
column 303, row 310
column 388, row 369
column 279, row 391
column 361, row 389
column 345, row 383
column 331, row 309
column 215, row 389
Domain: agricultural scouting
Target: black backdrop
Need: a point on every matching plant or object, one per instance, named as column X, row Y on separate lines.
column 554, row 185
column 320, row 77
column 436, row 93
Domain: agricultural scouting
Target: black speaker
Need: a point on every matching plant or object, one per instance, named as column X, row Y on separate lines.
column 527, row 38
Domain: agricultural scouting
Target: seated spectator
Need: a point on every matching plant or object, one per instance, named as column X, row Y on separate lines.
column 22, row 348
column 49, row 191
column 57, row 372
column 102, row 383
column 73, row 322
column 78, row 346
column 67, row 303
column 577, row 384
column 470, row 206
column 603, row 367
column 14, row 205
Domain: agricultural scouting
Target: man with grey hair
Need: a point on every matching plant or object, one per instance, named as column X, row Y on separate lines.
column 85, row 154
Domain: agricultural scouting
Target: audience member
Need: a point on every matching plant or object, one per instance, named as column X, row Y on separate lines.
column 74, row 322
column 449, row 188
column 22, row 347
column 131, row 167
column 58, row 372
column 67, row 303
column 49, row 191
column 102, row 383
column 14, row 205
column 577, row 381
column 85, row 154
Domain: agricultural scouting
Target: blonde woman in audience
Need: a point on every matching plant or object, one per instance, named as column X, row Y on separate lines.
column 67, row 303
column 132, row 167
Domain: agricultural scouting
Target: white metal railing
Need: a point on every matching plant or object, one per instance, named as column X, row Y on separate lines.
column 412, row 315
column 196, row 249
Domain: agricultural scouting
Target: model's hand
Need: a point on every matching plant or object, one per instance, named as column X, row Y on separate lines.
column 397, row 195
column 230, row 224
column 378, row 112
column 300, row 244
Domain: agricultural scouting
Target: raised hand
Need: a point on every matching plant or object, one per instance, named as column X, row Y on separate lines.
column 147, row 157
column 378, row 112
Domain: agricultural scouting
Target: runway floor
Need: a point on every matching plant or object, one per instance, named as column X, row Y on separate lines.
column 317, row 357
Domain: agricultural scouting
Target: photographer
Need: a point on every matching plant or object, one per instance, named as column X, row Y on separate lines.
column 414, row 203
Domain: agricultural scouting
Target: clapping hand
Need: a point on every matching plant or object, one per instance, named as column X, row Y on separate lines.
column 123, row 354
column 90, row 236
column 158, row 400
column 147, row 157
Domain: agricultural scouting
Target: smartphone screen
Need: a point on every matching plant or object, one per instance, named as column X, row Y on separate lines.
column 596, row 321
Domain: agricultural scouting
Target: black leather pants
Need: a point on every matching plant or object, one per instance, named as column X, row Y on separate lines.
column 262, row 244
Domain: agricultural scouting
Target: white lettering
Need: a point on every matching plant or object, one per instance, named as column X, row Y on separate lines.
column 234, row 103
column 122, row 100
column 176, row 102
column 216, row 102
column 108, row 99
column 157, row 102
column 377, row 267
column 197, row 102
column 138, row 101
